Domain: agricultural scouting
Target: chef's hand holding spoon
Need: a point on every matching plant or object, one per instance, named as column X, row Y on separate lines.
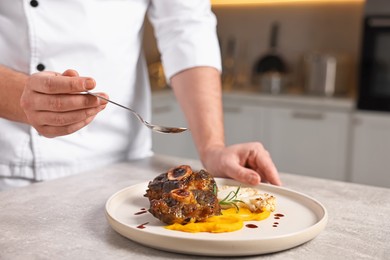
column 54, row 104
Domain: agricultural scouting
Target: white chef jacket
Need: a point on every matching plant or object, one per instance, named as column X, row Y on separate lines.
column 100, row 39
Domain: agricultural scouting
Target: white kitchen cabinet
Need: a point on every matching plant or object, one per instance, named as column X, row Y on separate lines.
column 371, row 149
column 308, row 141
column 306, row 136
column 243, row 123
column 166, row 111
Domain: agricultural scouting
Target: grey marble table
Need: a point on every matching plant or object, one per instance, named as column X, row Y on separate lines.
column 64, row 218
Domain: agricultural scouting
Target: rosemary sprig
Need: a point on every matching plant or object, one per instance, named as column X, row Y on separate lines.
column 231, row 199
column 215, row 189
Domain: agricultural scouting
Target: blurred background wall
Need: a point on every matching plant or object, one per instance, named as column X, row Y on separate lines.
column 304, row 27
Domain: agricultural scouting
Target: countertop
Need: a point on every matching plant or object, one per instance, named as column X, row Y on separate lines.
column 251, row 97
column 64, row 218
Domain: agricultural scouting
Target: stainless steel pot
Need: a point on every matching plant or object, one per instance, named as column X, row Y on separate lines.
column 273, row 82
column 326, row 74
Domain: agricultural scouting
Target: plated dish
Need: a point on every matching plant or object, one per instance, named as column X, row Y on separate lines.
column 297, row 219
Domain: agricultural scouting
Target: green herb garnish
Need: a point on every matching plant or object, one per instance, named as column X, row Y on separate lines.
column 231, row 199
column 215, row 190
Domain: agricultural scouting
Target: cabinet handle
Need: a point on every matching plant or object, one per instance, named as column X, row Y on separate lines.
column 162, row 109
column 232, row 109
column 308, row 115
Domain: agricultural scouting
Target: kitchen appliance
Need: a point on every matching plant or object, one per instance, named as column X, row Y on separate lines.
column 326, row 74
column 374, row 83
column 269, row 72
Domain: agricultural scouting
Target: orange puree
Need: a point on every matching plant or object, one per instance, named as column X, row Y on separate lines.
column 229, row 221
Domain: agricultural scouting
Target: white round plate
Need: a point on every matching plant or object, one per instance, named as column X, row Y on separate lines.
column 304, row 218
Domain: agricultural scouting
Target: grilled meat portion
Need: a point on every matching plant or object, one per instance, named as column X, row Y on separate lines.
column 183, row 196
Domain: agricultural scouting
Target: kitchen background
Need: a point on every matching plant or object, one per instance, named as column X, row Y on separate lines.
column 303, row 112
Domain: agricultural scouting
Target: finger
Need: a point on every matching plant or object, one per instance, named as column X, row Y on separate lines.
column 242, row 174
column 62, row 102
column 64, row 118
column 54, row 83
column 70, row 73
column 259, row 160
column 54, row 131
column 266, row 168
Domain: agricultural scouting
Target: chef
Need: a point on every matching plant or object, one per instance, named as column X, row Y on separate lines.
column 52, row 52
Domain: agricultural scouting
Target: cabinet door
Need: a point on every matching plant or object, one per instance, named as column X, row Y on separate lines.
column 371, row 149
column 243, row 124
column 308, row 142
column 167, row 112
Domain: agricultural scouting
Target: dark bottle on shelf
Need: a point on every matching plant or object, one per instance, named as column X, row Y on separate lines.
column 228, row 64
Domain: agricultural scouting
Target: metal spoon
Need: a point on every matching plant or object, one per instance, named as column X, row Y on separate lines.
column 156, row 128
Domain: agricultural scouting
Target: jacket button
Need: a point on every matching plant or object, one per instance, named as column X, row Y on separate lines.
column 40, row 67
column 34, row 3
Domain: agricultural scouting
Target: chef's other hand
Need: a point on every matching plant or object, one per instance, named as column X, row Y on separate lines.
column 54, row 105
column 248, row 163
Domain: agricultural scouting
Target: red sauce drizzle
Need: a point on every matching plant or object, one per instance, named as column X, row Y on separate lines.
column 142, row 226
column 143, row 209
column 251, row 226
column 140, row 212
column 277, row 216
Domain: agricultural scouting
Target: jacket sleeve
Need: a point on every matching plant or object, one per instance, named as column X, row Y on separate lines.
column 186, row 34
